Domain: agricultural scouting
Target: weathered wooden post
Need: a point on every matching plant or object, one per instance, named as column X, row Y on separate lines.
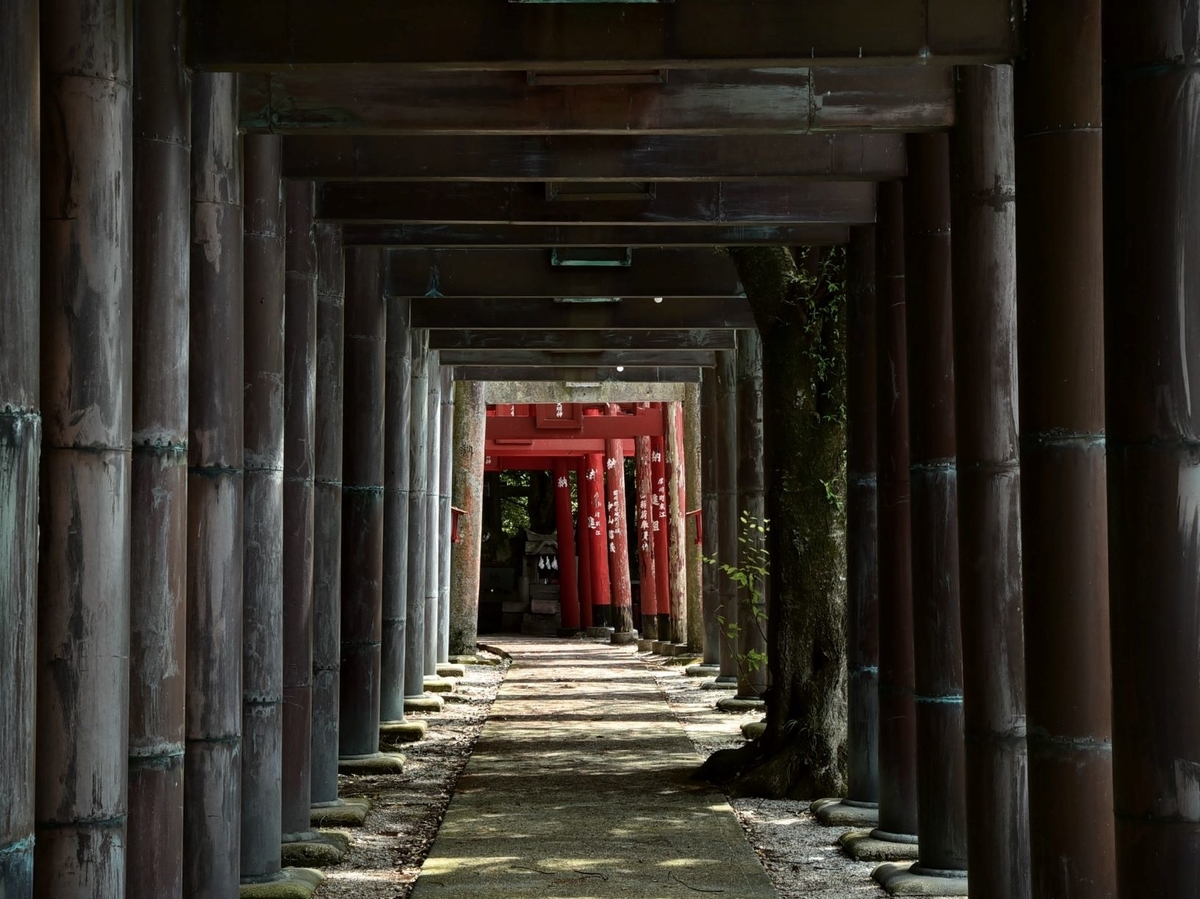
column 726, row 523
column 1152, row 279
column 162, row 156
column 327, row 516
column 470, row 423
column 645, row 538
column 693, row 563
column 593, row 488
column 661, row 512
column 362, row 512
column 418, row 522
column 445, row 487
column 397, row 435
column 565, row 526
column 216, row 397
column 1060, row 341
column 751, row 485
column 989, row 500
column 20, row 437
column 262, row 517
column 711, row 601
column 618, row 543
column 432, row 544
column 583, row 540
column 897, row 712
column 676, row 468
column 937, row 636
column 299, row 410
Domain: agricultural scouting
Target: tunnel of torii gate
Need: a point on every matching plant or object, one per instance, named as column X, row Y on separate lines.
column 265, row 268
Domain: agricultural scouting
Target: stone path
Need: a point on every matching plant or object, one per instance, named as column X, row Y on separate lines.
column 579, row 789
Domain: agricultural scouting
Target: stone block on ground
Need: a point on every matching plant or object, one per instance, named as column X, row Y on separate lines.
column 912, row 880
column 393, row 733
column 740, row 704
column 645, row 645
column 720, row 684
column 290, row 883
column 427, row 702
column 601, row 633
column 752, row 730
column 623, row 639
column 863, row 846
column 838, row 813
column 379, row 763
column 343, row 813
column 327, row 850
column 438, row 684
column 702, row 670
column 472, row 660
column 448, row 669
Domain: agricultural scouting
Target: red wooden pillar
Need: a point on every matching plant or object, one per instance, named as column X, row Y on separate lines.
column 583, row 541
column 568, row 584
column 647, row 575
column 660, row 513
column 598, row 540
column 618, row 542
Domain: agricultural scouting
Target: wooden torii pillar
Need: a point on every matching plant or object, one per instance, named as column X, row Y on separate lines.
column 618, row 543
column 567, row 576
column 593, row 490
column 645, row 540
column 660, row 513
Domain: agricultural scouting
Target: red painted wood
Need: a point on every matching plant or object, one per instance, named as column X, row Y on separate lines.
column 567, row 580
column 593, row 489
column 618, row 537
column 585, row 550
column 659, row 513
column 645, row 525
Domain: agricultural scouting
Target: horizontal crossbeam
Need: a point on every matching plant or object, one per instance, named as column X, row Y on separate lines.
column 543, row 313
column 607, row 359
column 665, row 342
column 501, row 236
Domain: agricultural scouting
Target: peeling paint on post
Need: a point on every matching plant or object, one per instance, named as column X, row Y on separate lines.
column 897, row 709
column 937, row 635
column 362, row 501
column 397, row 424
column 711, row 601
column 751, row 480
column 212, row 765
column 1152, row 336
column 862, row 541
column 470, row 422
column 299, row 407
column 162, row 157
column 726, row 523
column 327, row 515
column 989, row 488
column 675, row 461
column 86, row 367
column 20, row 438
column 618, row 541
column 694, row 564
column 645, row 539
column 446, row 486
column 661, row 514
column 432, row 544
column 418, row 497
column 565, row 525
column 1060, row 334
column 262, row 522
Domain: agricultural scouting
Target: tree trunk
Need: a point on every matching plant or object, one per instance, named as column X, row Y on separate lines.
column 801, row 316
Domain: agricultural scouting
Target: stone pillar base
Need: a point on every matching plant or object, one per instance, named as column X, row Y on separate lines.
column 434, row 683
column 426, row 702
column 752, row 730
column 450, row 669
column 601, row 633
column 913, row 880
column 340, row 813
column 315, row 850
column 623, row 638
column 393, row 733
column 870, row 846
column 846, row 813
column 740, row 704
column 645, row 645
column 290, row 883
column 702, row 670
column 376, row 763
column 720, row 684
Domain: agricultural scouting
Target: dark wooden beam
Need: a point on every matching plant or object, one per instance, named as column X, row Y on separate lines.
column 501, row 236
column 713, row 203
column 576, row 375
column 529, row 273
column 521, row 314
column 629, row 359
column 608, row 157
column 717, row 101
column 662, row 342
column 577, row 37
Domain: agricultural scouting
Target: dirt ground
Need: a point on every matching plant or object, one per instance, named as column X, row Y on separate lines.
column 386, row 855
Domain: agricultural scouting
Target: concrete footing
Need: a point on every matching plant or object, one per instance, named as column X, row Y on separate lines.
column 447, row 669
column 703, row 670
column 624, row 639
column 342, row 813
column 599, row 632
column 318, row 850
column 393, row 733
column 752, row 730
column 424, row 703
column 439, row 684
column 472, row 660
column 845, row 813
column 719, row 684
column 376, row 763
column 913, row 880
column 866, row 846
column 290, row 883
column 740, row 704
column 646, row 645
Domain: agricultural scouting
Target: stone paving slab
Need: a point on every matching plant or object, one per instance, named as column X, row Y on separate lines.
column 580, row 788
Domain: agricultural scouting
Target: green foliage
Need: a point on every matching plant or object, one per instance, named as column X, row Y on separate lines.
column 514, row 507
column 749, row 573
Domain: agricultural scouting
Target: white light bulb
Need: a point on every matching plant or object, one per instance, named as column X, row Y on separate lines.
column 658, row 299
column 620, row 368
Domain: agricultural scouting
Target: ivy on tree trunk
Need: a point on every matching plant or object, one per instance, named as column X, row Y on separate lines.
column 799, row 304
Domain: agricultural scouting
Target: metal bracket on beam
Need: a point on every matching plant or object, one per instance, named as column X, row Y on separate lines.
column 589, row 257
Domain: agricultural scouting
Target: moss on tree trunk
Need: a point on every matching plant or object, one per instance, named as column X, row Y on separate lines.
column 801, row 315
